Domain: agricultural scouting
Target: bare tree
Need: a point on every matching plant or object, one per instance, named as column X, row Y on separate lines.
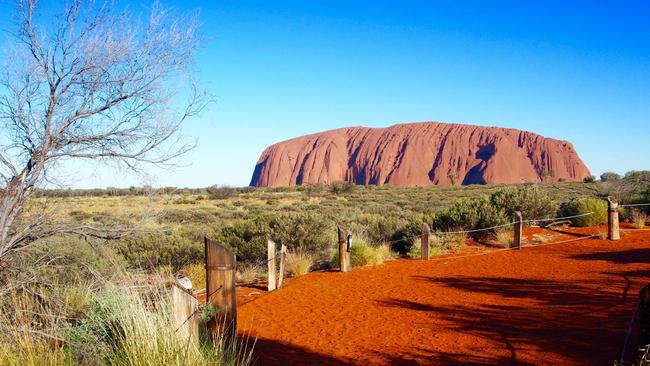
column 93, row 83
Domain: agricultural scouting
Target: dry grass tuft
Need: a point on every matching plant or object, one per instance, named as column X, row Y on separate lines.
column 249, row 272
column 299, row 262
column 639, row 219
column 196, row 273
column 541, row 238
column 505, row 238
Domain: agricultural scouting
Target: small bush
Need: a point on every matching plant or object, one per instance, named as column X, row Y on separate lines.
column 299, row 262
column 342, row 187
column 221, row 193
column 530, row 200
column 589, row 179
column 583, row 206
column 448, row 241
column 470, row 214
column 362, row 254
column 148, row 251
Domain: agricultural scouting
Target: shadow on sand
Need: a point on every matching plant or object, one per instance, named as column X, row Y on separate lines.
column 274, row 353
column 562, row 318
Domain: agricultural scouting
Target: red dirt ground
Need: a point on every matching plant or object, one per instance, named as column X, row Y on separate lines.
column 559, row 304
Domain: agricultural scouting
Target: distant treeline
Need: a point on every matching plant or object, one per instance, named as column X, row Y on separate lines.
column 216, row 191
column 223, row 192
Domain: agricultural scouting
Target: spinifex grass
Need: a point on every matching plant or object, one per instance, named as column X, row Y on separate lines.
column 119, row 326
column 299, row 262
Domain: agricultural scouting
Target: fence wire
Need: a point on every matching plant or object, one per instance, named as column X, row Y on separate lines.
column 559, row 218
column 441, row 233
column 635, row 205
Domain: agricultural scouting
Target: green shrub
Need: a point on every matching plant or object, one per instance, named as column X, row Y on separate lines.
column 221, row 193
column 530, row 200
column 362, row 254
column 188, row 215
column 583, row 206
column 151, row 250
column 342, row 187
column 379, row 228
column 403, row 240
column 589, row 179
column 470, row 214
column 248, row 238
column 313, row 233
column 448, row 241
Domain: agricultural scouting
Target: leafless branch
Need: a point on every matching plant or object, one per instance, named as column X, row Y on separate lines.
column 97, row 85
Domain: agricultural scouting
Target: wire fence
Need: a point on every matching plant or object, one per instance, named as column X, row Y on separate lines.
column 527, row 221
column 635, row 205
column 442, row 233
column 487, row 252
column 559, row 218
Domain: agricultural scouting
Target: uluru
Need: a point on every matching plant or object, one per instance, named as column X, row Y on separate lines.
column 419, row 154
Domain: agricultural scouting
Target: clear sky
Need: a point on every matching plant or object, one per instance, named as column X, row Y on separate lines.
column 572, row 70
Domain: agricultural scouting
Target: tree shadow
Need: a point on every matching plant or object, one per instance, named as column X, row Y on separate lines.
column 640, row 255
column 577, row 321
column 546, row 292
column 420, row 356
column 270, row 352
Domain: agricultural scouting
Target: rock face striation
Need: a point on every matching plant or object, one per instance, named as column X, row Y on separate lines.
column 419, row 154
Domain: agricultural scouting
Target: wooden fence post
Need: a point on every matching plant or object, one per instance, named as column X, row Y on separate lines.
column 424, row 243
column 184, row 315
column 270, row 261
column 613, row 232
column 345, row 239
column 283, row 258
column 220, row 267
column 519, row 228
column 644, row 319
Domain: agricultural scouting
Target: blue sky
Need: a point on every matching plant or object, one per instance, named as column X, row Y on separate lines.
column 573, row 70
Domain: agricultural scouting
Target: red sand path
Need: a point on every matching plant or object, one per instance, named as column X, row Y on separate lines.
column 559, row 304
